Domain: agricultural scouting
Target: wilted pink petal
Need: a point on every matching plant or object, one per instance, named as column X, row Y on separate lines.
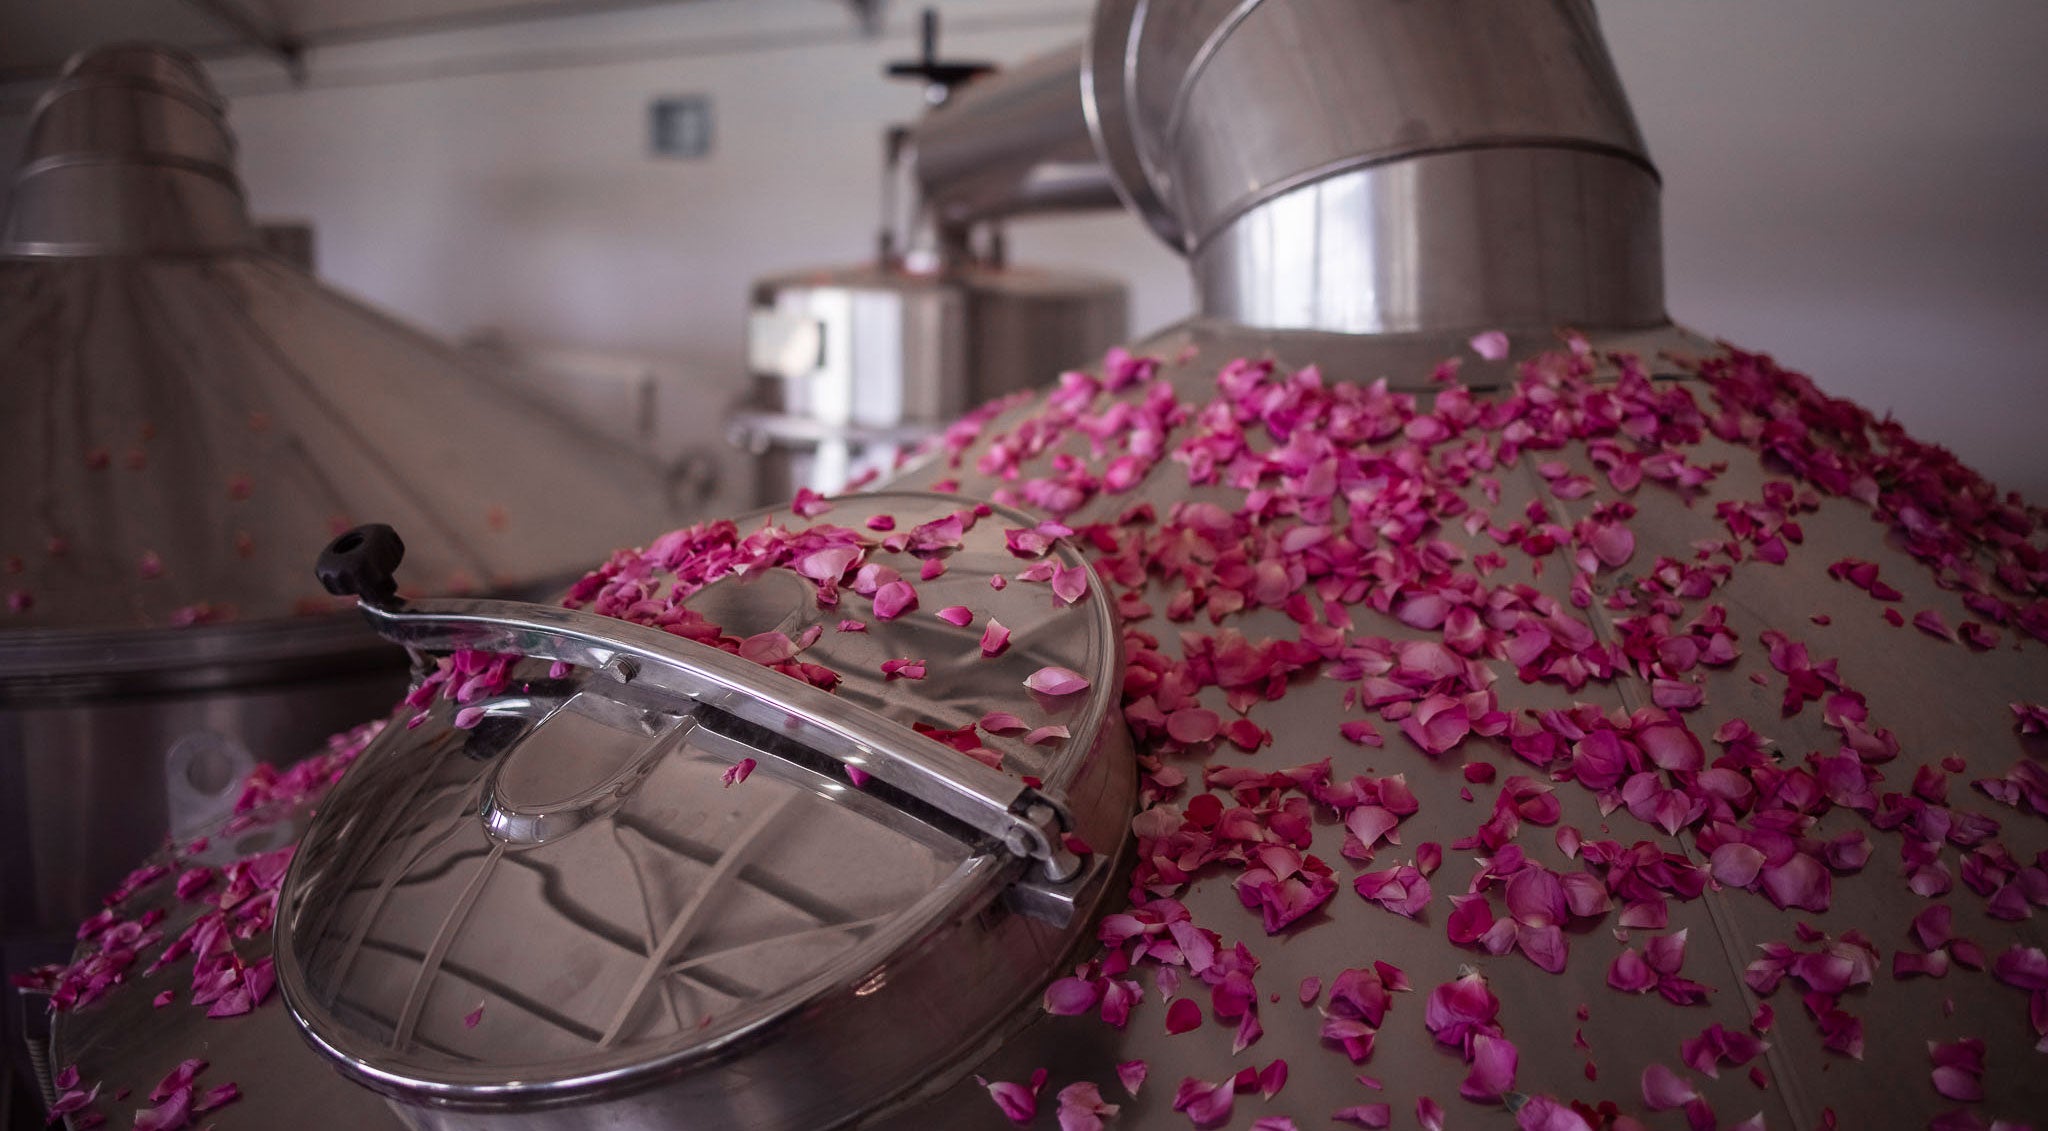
column 1799, row 882
column 172, row 1112
column 959, row 615
column 1456, row 1011
column 1017, row 1102
column 1051, row 680
column 1402, row 889
column 1081, row 1107
column 179, row 1077
column 829, row 564
column 1958, row 1084
column 1491, row 345
column 474, row 1017
column 1003, row 722
column 73, row 1099
column 1070, row 997
column 1272, row 1078
column 1206, row 1104
column 1664, row 1089
column 1274, row 1123
column 1931, row 927
column 1070, row 584
column 1493, row 1069
column 1541, row 1113
column 1248, row 1032
column 1045, row 734
column 2023, row 966
column 1429, row 1113
column 1360, row 731
column 894, row 599
column 1132, row 1074
column 994, row 638
column 809, row 504
column 1630, row 974
column 1375, row 1117
column 1183, row 1016
column 1191, row 725
column 738, row 771
column 853, row 626
column 903, row 669
column 1665, row 953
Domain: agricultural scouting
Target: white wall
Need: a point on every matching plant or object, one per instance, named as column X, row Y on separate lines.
column 1858, row 186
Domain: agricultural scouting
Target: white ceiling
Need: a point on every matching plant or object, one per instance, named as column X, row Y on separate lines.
column 36, row 36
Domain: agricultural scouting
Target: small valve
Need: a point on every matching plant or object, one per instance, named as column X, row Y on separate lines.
column 940, row 77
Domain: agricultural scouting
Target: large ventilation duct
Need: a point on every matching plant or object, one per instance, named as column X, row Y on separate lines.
column 1356, row 166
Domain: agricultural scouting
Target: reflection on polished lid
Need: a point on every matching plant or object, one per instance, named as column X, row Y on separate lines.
column 598, row 878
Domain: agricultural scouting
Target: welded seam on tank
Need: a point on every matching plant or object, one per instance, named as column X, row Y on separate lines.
column 1197, row 63
column 1711, row 902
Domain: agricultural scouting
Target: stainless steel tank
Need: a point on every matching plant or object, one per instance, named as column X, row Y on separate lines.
column 1543, row 716
column 855, row 368
column 182, row 414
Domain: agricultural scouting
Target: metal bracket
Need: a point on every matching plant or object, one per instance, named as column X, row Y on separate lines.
column 1007, row 813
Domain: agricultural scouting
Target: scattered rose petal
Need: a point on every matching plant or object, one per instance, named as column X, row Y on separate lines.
column 1056, row 681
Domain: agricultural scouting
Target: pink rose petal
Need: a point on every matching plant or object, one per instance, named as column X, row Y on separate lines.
column 1131, row 1073
column 1493, row 1070
column 1082, row 1108
column 994, row 638
column 1664, row 1089
column 738, row 771
column 959, row 615
column 1051, row 680
column 894, row 599
column 1002, row 722
column 1491, row 345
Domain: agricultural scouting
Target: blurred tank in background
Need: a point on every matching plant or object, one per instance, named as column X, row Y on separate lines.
column 854, row 367
column 182, row 412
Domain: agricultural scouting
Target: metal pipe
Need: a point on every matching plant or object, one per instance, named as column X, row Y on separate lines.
column 1373, row 166
column 1012, row 144
column 1354, row 166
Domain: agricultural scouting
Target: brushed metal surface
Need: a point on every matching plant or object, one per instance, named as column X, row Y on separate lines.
column 1517, row 236
column 855, row 367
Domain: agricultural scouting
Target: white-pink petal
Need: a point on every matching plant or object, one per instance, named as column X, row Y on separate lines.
column 1051, row 680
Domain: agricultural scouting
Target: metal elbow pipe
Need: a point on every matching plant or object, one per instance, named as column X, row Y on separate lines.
column 1359, row 166
column 1374, row 166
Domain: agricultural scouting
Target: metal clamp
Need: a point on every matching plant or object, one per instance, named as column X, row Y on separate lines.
column 1021, row 820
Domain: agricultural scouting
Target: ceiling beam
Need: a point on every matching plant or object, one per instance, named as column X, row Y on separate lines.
column 265, row 31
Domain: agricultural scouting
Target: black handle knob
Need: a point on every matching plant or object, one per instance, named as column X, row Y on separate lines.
column 362, row 563
column 930, row 68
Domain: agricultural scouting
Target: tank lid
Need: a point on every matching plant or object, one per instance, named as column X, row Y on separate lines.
column 642, row 852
